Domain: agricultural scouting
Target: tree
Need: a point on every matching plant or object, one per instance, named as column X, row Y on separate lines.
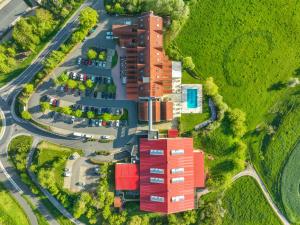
column 71, row 83
column 26, row 115
column 92, row 54
column 173, row 8
column 45, row 106
column 111, row 89
column 119, row 9
column 90, row 114
column 81, row 87
column 78, row 36
column 63, row 78
column 237, row 119
column 189, row 217
column 88, row 18
column 210, row 87
column 78, row 113
column 106, row 116
column 28, row 89
column 106, row 212
column 44, row 19
column 46, row 177
column 188, row 63
column 102, row 56
column 81, row 204
column 135, row 220
column 66, row 110
column 89, row 83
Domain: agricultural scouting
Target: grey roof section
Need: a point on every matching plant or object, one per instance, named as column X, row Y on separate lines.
column 11, row 12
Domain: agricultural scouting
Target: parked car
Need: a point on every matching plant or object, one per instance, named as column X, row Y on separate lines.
column 108, row 37
column 109, row 33
column 97, row 123
column 117, row 124
column 105, row 137
column 67, row 173
column 104, row 64
column 74, row 156
column 96, row 170
column 81, row 77
column 81, row 184
column 79, row 61
column 100, row 123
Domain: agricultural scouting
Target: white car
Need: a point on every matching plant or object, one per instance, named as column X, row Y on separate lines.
column 67, row 173
column 104, row 64
column 105, row 137
column 108, row 37
column 109, row 33
column 74, row 76
column 117, row 123
column 81, row 77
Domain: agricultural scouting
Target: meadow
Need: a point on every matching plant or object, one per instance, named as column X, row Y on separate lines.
column 290, row 186
column 251, row 49
column 244, row 203
column 10, row 211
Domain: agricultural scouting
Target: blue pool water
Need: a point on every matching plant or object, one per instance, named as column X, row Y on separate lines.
column 192, row 101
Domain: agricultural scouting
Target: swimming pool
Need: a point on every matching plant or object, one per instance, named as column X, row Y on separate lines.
column 192, row 98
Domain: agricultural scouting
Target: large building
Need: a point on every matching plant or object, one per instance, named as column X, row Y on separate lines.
column 170, row 171
column 148, row 69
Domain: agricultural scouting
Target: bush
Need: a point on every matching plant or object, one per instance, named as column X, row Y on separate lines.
column 188, row 63
column 237, row 119
column 211, row 89
column 92, row 54
column 26, row 115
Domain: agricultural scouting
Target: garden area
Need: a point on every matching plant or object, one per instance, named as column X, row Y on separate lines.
column 11, row 213
column 254, row 62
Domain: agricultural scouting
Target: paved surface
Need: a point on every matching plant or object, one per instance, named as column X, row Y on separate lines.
column 11, row 12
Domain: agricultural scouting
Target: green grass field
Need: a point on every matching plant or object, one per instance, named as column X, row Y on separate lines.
column 10, row 211
column 290, row 186
column 248, row 54
column 251, row 48
column 245, row 205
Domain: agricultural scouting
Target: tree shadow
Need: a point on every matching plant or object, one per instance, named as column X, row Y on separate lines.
column 277, row 86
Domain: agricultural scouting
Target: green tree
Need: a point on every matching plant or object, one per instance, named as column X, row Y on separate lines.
column 44, row 21
column 46, row 177
column 28, row 89
column 102, row 56
column 89, row 83
column 78, row 36
column 26, row 115
column 81, row 204
column 90, row 114
column 188, row 63
column 111, row 89
column 210, row 87
column 45, row 106
column 78, row 113
column 92, row 54
column 81, row 87
column 119, row 9
column 106, row 212
column 71, row 83
column 63, row 78
column 66, row 110
column 135, row 220
column 88, row 18
column 106, row 116
column 237, row 119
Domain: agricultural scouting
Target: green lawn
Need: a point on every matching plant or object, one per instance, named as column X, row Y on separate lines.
column 290, row 186
column 10, row 211
column 249, row 47
column 245, row 204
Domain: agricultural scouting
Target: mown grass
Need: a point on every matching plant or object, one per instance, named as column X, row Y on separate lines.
column 290, row 186
column 11, row 213
column 245, row 204
column 249, row 47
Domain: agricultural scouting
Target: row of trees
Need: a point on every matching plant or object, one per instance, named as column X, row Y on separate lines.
column 173, row 8
column 60, row 8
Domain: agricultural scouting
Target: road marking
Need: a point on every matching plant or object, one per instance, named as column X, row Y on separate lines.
column 10, row 179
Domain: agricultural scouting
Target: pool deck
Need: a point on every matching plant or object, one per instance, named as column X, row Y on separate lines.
column 185, row 108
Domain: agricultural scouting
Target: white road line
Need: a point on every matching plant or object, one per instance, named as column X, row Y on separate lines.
column 3, row 127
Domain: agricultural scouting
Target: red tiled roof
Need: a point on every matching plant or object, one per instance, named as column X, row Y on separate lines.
column 127, row 176
column 199, row 169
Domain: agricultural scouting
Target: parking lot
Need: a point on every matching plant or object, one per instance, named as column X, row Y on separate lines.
column 81, row 175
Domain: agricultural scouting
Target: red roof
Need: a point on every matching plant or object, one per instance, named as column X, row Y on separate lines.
column 172, row 133
column 167, row 195
column 127, row 176
column 199, row 169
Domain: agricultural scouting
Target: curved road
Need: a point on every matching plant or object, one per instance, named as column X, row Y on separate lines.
column 12, row 125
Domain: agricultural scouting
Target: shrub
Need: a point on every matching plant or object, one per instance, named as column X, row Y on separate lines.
column 237, row 119
column 92, row 54
column 210, row 87
column 188, row 63
column 26, row 115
